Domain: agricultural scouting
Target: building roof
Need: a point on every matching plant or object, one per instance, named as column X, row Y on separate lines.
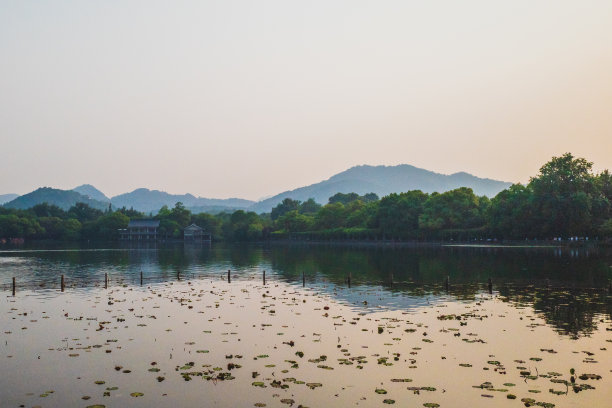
column 143, row 223
column 193, row 227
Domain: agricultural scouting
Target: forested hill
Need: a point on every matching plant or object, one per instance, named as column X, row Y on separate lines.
column 147, row 201
column 5, row 198
column 90, row 191
column 384, row 180
column 64, row 199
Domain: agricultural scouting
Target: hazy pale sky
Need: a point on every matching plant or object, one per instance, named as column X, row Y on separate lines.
column 250, row 98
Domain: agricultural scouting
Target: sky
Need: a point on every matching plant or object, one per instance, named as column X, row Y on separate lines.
column 250, row 98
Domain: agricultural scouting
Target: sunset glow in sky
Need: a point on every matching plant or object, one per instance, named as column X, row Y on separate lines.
column 250, row 98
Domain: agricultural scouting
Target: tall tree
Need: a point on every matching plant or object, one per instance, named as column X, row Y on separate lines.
column 397, row 215
column 284, row 207
column 563, row 194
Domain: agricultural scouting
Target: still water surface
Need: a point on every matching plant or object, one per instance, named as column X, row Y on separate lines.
column 397, row 335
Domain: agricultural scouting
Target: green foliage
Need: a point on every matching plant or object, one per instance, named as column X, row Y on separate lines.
column 397, row 215
column 330, row 216
column 243, row 226
column 453, row 210
column 284, row 207
column 57, row 228
column 565, row 199
column 105, row 228
column 293, row 221
column 82, row 212
column 309, row 206
column 606, row 228
column 511, row 214
column 346, row 198
column 14, row 226
column 209, row 223
column 48, row 210
column 131, row 213
column 563, row 195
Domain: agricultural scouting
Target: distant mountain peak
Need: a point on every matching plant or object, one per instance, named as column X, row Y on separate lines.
column 61, row 198
column 384, row 180
column 145, row 200
column 90, row 191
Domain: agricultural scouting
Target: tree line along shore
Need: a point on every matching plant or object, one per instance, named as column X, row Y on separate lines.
column 565, row 200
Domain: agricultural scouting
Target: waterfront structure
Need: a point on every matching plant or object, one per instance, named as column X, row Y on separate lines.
column 194, row 233
column 140, row 230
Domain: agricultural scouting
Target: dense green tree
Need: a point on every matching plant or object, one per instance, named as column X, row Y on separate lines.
column 244, row 226
column 71, row 229
column 131, row 213
column 330, row 216
column 563, row 196
column 48, row 210
column 455, row 209
column 293, row 221
column 14, row 226
column 169, row 228
column 398, row 215
column 309, row 206
column 180, row 215
column 511, row 215
column 209, row 223
column 106, row 227
column 346, row 198
column 284, row 207
column 83, row 212
column 57, row 228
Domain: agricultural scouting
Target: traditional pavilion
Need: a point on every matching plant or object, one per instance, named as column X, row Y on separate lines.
column 140, row 230
column 194, row 233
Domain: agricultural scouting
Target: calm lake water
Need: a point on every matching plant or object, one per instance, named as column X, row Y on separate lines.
column 396, row 334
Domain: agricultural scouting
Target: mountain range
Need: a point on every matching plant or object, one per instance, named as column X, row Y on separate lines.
column 147, row 201
column 62, row 198
column 382, row 180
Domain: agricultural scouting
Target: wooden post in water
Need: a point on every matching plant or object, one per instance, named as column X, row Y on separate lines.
column 141, row 278
column 349, row 280
column 446, row 283
column 303, row 279
column 105, row 280
column 229, row 277
column 62, row 283
column 264, row 278
column 490, row 284
column 13, row 286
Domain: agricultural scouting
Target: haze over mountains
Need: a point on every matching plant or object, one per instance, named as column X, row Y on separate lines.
column 146, row 200
column 5, row 198
column 382, row 180
column 62, row 198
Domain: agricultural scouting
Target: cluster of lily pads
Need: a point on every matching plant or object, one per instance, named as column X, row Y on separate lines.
column 311, row 348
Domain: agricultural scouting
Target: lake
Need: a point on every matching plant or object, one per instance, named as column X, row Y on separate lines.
column 333, row 325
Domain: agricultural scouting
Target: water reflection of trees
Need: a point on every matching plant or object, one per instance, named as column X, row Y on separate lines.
column 431, row 265
column 521, row 275
column 571, row 312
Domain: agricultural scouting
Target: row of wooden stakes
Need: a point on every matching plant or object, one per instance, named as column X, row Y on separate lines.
column 229, row 280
